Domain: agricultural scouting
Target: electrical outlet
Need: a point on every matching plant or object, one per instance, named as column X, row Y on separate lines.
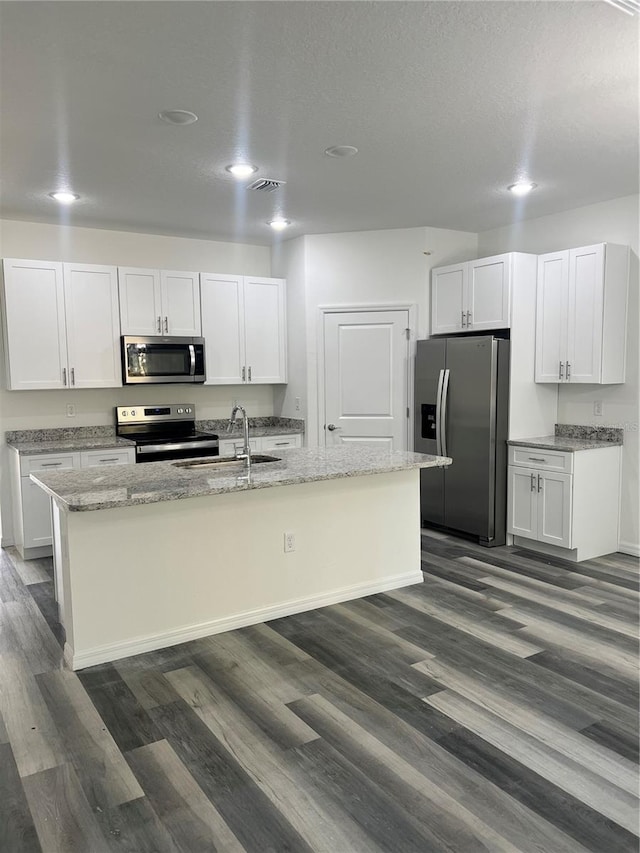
column 71, row 410
column 597, row 408
column 298, row 404
column 289, row 542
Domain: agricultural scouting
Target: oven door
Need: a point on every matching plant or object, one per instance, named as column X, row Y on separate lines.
column 152, row 360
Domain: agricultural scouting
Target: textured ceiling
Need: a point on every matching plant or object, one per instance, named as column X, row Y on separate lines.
column 448, row 103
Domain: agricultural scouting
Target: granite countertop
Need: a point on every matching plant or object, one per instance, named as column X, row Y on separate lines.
column 128, row 485
column 565, row 443
column 75, row 439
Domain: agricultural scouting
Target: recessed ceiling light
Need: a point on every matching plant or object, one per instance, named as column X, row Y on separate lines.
column 521, row 188
column 178, row 116
column 64, row 197
column 241, row 170
column 341, row 151
column 279, row 224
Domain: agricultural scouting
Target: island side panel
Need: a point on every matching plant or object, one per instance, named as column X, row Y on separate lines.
column 153, row 575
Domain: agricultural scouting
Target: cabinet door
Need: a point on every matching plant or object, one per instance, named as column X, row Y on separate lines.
column 36, row 515
column 180, row 303
column 140, row 301
column 275, row 442
column 585, row 313
column 93, row 326
column 488, row 294
column 448, row 285
column 554, row 508
column 223, row 328
column 108, row 457
column 522, row 509
column 265, row 330
column 36, row 348
column 551, row 316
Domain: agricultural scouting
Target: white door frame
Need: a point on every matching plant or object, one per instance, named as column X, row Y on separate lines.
column 359, row 308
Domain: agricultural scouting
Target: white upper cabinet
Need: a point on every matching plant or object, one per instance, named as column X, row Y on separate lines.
column 93, row 326
column 471, row 297
column 159, row 302
column 244, row 327
column 581, row 315
column 61, row 325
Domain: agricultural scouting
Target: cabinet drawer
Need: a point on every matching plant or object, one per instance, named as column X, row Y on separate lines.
column 273, row 442
column 49, row 462
column 96, row 458
column 534, row 457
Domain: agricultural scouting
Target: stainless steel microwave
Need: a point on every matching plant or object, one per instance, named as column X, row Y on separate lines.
column 160, row 360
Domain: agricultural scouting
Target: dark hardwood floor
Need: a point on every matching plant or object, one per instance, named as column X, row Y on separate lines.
column 492, row 708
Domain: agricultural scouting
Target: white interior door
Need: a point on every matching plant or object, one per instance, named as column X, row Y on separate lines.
column 366, row 366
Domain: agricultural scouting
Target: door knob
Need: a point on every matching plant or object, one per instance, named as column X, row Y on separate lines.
column 331, row 427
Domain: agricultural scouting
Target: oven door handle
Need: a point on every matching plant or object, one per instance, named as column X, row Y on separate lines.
column 192, row 355
column 178, row 445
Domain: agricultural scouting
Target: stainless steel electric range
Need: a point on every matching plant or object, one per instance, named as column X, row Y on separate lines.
column 164, row 432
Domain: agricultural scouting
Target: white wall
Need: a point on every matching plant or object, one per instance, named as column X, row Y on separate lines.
column 45, row 409
column 359, row 268
column 289, row 262
column 613, row 221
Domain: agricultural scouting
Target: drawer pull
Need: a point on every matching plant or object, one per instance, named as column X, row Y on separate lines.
column 536, row 459
column 51, row 464
column 282, row 443
column 111, row 459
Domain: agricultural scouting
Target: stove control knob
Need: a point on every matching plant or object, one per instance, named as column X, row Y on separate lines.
column 133, row 412
column 124, row 413
column 188, row 411
column 180, row 411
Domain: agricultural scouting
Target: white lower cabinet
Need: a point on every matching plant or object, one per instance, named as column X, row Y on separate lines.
column 32, row 506
column 565, row 500
column 270, row 443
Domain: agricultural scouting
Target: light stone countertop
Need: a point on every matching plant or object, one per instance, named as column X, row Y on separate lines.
column 71, row 445
column 128, row 485
column 564, row 443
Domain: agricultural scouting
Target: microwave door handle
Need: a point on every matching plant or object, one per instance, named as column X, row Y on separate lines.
column 443, row 413
column 192, row 355
column 438, row 414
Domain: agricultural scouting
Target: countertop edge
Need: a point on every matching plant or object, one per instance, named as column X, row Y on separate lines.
column 565, row 445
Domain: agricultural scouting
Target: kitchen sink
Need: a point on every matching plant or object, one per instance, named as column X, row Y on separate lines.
column 223, row 461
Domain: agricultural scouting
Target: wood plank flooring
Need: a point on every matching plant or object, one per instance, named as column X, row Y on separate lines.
column 492, row 708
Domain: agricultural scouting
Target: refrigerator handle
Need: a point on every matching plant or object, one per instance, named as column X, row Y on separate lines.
column 439, row 414
column 443, row 413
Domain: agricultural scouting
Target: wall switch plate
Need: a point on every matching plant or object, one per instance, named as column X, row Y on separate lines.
column 597, row 408
column 298, row 404
column 289, row 542
column 71, row 410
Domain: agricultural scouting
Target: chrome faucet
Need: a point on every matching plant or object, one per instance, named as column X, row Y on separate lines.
column 246, row 448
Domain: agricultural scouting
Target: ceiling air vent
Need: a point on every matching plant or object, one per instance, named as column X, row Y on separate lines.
column 266, row 185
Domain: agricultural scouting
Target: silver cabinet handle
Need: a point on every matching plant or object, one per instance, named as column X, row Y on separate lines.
column 462, row 312
column 536, row 459
column 159, row 325
column 568, row 372
column 73, row 376
column 110, row 459
column 249, row 373
column 539, row 483
column 282, row 443
column 533, row 482
column 560, row 369
column 244, row 374
column 51, row 464
column 468, row 319
column 332, row 427
column 64, row 375
column 166, row 325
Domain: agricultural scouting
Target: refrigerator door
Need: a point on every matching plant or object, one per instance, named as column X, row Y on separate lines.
column 430, row 367
column 469, row 419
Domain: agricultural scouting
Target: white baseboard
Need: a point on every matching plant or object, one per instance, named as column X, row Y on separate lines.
column 116, row 651
column 629, row 548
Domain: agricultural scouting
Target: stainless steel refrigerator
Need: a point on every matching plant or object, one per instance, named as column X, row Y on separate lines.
column 461, row 411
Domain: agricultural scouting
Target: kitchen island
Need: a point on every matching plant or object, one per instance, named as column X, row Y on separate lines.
column 147, row 556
